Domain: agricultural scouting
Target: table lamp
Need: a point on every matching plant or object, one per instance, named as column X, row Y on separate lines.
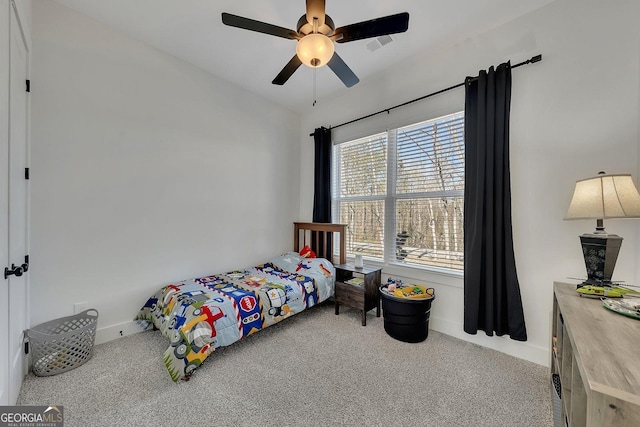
column 600, row 197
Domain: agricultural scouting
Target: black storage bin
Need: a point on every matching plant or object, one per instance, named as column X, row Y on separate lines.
column 406, row 319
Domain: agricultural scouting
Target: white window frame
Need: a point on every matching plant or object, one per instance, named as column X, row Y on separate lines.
column 390, row 199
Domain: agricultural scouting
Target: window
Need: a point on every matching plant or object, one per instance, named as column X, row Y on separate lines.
column 402, row 194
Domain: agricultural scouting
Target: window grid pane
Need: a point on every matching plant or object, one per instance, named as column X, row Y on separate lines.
column 363, row 167
column 365, row 234
column 430, row 232
column 430, row 156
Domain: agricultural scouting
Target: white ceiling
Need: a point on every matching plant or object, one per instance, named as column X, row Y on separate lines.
column 193, row 31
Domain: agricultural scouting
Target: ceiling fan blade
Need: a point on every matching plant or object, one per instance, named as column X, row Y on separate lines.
column 287, row 71
column 342, row 70
column 258, row 26
column 315, row 9
column 391, row 24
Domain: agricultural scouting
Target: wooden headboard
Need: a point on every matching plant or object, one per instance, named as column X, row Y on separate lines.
column 321, row 233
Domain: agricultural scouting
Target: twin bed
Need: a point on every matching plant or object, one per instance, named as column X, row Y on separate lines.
column 201, row 314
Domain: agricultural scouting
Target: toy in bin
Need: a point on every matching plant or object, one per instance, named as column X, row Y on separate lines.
column 399, row 290
column 416, row 292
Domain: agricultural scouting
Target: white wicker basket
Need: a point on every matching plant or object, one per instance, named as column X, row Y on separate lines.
column 62, row 344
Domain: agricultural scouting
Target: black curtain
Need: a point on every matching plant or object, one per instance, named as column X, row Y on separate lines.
column 322, row 181
column 322, row 175
column 492, row 299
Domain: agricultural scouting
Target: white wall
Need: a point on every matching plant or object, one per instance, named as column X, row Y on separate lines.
column 145, row 170
column 573, row 114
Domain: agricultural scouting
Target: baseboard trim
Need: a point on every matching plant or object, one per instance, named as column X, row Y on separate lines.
column 522, row 350
column 120, row 330
column 504, row 344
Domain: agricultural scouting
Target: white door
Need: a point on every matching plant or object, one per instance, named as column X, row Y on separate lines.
column 18, row 284
column 4, row 202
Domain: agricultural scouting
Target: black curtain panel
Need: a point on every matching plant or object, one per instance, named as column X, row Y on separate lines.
column 492, row 301
column 322, row 180
column 322, row 175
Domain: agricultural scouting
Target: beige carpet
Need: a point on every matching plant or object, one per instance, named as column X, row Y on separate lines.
column 315, row 369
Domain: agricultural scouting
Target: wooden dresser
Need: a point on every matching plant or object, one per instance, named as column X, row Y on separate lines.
column 596, row 353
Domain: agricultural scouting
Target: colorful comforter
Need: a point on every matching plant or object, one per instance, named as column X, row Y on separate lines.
column 200, row 315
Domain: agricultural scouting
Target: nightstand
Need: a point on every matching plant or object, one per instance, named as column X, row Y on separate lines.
column 362, row 297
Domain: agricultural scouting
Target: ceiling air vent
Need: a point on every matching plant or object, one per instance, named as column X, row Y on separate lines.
column 386, row 39
column 379, row 42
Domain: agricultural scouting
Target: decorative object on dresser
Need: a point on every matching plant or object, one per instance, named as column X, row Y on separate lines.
column 600, row 197
column 628, row 306
column 595, row 356
column 357, row 287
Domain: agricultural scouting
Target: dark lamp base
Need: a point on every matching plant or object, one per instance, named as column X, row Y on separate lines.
column 600, row 253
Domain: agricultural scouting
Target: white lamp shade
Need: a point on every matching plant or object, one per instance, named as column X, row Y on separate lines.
column 315, row 50
column 605, row 196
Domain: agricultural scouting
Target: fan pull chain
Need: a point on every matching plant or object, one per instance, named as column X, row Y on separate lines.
column 314, row 86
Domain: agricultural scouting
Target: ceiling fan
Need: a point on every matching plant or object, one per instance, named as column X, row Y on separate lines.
column 316, row 33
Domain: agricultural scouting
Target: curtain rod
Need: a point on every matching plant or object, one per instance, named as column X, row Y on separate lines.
column 533, row 60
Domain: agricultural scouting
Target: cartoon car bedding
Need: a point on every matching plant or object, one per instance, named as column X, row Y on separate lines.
column 200, row 315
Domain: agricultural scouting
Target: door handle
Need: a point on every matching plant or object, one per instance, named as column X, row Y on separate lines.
column 15, row 270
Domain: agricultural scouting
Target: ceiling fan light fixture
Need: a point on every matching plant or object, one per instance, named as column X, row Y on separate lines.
column 316, row 34
column 315, row 50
